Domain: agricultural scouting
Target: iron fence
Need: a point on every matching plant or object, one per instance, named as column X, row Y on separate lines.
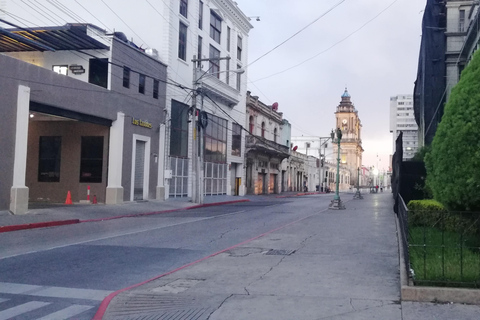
column 442, row 248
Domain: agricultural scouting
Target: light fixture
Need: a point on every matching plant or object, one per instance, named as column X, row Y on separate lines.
column 31, row 115
column 257, row 18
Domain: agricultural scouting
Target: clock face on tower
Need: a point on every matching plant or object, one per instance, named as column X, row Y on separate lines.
column 344, row 124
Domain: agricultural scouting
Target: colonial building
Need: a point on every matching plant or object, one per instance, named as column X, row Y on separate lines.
column 81, row 108
column 346, row 118
column 265, row 150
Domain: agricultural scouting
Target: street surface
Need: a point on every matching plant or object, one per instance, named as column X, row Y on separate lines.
column 65, row 272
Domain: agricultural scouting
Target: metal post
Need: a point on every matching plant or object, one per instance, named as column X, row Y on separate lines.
column 336, row 203
column 358, row 195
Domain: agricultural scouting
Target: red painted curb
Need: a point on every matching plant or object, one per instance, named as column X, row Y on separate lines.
column 74, row 221
column 105, row 303
column 38, row 225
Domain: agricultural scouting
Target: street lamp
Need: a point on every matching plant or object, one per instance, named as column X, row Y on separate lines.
column 358, row 195
column 336, row 203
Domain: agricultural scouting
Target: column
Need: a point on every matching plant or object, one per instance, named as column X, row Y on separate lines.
column 115, row 161
column 19, row 191
column 161, row 194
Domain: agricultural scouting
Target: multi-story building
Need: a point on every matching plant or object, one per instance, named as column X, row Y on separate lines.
column 81, row 109
column 402, row 119
column 266, row 148
column 204, row 43
column 449, row 38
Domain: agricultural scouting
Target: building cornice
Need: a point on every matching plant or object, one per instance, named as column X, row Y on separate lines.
column 235, row 14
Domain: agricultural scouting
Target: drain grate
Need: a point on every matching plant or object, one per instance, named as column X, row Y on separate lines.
column 274, row 252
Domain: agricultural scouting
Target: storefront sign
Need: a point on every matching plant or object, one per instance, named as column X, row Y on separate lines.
column 141, row 123
column 76, row 69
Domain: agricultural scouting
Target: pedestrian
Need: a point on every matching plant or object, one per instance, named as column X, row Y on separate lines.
column 304, row 186
column 376, row 188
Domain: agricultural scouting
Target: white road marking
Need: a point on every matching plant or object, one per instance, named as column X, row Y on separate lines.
column 121, row 235
column 26, row 307
column 53, row 292
column 66, row 313
column 72, row 293
column 17, row 288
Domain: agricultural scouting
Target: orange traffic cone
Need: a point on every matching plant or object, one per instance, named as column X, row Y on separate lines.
column 94, row 199
column 69, row 198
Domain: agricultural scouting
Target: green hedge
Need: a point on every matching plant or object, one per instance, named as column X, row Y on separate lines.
column 431, row 213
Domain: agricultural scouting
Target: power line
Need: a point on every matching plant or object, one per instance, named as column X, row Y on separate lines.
column 92, row 14
column 332, row 46
column 298, row 32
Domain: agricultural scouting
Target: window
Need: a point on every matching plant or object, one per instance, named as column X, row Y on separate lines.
column 91, row 161
column 228, row 38
column 179, row 130
column 215, row 140
column 275, row 135
column 200, row 47
column 239, row 78
column 49, row 159
column 156, row 84
column 215, row 26
column 236, row 140
column 141, row 83
column 98, row 72
column 200, row 15
column 263, row 129
column 239, row 48
column 182, row 42
column 126, row 77
column 461, row 21
column 184, row 8
column 251, row 125
column 60, row 70
column 214, row 62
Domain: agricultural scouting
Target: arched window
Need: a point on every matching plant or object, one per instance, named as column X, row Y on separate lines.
column 251, row 125
column 263, row 129
column 275, row 135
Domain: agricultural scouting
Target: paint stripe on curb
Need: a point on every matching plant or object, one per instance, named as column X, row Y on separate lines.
column 74, row 221
column 38, row 225
column 106, row 302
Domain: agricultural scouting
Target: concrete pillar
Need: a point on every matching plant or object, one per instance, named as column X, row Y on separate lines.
column 19, row 191
column 161, row 193
column 114, row 194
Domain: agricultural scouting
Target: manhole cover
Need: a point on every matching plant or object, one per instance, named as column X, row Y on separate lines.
column 274, row 252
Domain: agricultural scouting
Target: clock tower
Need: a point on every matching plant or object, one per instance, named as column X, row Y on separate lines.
column 351, row 150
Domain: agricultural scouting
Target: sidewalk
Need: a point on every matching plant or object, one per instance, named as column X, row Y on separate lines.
column 331, row 265
column 46, row 214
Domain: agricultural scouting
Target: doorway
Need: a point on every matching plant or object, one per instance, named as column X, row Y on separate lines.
column 140, row 168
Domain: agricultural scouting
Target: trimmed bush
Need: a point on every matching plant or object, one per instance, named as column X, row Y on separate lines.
column 454, row 160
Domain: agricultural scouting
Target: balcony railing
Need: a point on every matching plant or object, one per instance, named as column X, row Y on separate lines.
column 254, row 143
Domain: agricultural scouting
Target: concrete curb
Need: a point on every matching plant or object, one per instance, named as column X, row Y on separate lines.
column 300, row 194
column 74, row 221
column 409, row 292
column 38, row 225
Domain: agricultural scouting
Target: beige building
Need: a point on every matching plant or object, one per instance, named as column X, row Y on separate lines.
column 346, row 118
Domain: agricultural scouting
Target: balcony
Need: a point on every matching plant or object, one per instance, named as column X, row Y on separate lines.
column 257, row 144
column 217, row 89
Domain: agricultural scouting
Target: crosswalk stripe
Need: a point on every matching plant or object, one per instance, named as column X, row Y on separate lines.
column 53, row 292
column 26, row 307
column 66, row 313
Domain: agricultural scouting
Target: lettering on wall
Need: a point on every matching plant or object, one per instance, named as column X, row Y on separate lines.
column 141, row 123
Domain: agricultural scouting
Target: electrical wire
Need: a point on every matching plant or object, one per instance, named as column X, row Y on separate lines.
column 332, row 46
column 298, row 32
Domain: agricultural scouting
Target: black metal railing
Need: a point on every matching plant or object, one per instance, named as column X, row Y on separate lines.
column 442, row 248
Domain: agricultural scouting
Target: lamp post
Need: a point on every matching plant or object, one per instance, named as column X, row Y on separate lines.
column 322, row 162
column 358, row 195
column 336, row 203
column 202, row 119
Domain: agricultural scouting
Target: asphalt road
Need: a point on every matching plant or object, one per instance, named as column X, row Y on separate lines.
column 66, row 271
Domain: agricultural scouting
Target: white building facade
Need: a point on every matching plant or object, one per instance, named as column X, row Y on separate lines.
column 402, row 119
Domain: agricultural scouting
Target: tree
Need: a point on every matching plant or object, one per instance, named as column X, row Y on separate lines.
column 453, row 164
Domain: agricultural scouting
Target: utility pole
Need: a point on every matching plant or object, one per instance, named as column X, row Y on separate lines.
column 200, row 123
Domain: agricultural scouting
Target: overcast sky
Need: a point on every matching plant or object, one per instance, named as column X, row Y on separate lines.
column 375, row 62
